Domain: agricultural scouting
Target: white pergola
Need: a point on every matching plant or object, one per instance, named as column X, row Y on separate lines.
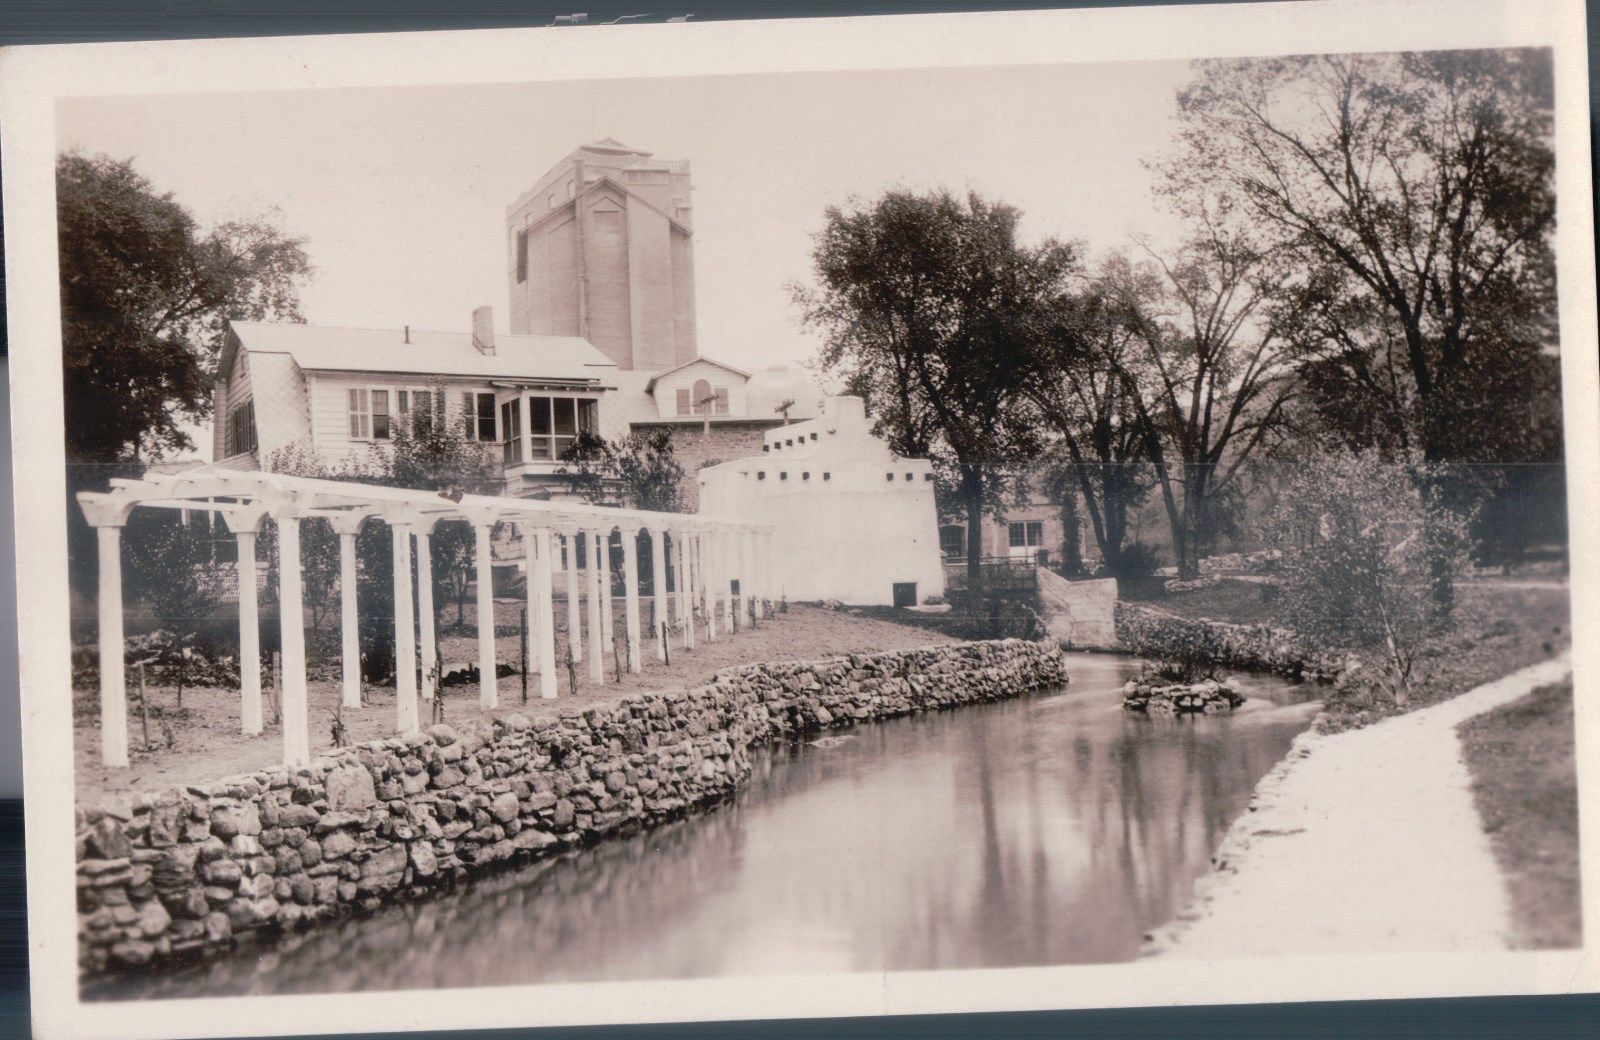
column 711, row 557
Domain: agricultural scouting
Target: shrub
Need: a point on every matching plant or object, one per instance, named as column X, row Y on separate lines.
column 1139, row 560
column 1363, row 551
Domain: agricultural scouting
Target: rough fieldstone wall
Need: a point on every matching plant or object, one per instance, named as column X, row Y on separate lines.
column 197, row 868
column 1156, row 633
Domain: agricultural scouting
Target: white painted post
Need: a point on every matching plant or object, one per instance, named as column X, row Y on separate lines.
column 708, row 582
column 630, row 590
column 113, row 684
column 426, row 618
column 292, row 640
column 658, row 578
column 747, row 572
column 574, row 605
column 530, row 588
column 250, row 721
column 597, row 647
column 727, row 567
column 758, row 549
column 547, row 614
column 680, row 544
column 349, row 629
column 608, row 609
column 405, row 639
column 488, row 681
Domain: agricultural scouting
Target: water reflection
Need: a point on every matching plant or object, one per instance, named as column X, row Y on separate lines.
column 1052, row 830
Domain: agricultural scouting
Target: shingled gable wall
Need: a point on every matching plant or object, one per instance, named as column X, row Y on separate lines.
column 195, row 869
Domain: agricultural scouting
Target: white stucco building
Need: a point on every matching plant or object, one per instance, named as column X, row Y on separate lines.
column 850, row 520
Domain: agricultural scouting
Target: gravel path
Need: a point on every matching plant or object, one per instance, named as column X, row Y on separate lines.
column 1366, row 841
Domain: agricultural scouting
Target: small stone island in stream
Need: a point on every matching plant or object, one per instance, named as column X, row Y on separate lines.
column 1207, row 697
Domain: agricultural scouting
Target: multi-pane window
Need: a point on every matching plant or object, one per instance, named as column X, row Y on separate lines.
column 554, row 424
column 511, row 423
column 477, row 416
column 706, row 401
column 414, row 407
column 953, row 540
column 242, row 429
column 360, row 400
column 1026, row 535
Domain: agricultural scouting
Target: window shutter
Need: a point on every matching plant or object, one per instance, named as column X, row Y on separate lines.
column 683, row 401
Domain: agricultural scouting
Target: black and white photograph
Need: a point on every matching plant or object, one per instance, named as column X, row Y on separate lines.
column 1053, row 515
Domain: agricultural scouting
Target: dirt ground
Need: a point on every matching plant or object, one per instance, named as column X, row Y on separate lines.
column 206, row 743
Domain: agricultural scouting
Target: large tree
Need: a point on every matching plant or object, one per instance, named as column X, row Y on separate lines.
column 1209, row 374
column 929, row 304
column 145, row 296
column 1076, row 381
column 1413, row 195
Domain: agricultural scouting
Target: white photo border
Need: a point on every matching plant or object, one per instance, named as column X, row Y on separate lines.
column 33, row 78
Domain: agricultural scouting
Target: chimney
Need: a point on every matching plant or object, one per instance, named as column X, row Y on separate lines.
column 483, row 329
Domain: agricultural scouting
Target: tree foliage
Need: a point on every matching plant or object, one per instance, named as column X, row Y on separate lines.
column 638, row 471
column 145, row 298
column 929, row 305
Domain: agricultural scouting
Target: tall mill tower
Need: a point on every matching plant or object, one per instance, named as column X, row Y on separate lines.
column 603, row 248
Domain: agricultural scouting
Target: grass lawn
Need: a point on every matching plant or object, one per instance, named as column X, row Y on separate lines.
column 1497, row 629
column 1525, row 783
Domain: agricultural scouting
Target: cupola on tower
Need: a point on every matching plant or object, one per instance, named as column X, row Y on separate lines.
column 603, row 248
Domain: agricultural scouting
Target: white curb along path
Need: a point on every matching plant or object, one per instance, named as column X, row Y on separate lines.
column 1366, row 841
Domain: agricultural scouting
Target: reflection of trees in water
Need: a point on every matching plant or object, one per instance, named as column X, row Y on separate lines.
column 1143, row 802
column 556, row 919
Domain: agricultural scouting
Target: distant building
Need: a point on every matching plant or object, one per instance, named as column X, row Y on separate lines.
column 852, row 522
column 602, row 247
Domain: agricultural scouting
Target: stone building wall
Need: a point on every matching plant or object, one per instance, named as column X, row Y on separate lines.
column 1156, row 633
column 730, row 439
column 193, row 870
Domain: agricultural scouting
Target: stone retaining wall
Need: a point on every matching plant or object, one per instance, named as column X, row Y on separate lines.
column 197, row 868
column 1156, row 633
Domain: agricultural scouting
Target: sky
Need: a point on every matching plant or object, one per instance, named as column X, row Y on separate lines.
column 401, row 193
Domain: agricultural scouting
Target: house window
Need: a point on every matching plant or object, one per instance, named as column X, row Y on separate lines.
column 414, row 407
column 380, row 415
column 522, row 256
column 953, row 540
column 369, row 414
column 702, row 397
column 511, row 422
column 1028, row 535
column 556, row 422
column 477, row 416
column 685, row 406
column 242, row 429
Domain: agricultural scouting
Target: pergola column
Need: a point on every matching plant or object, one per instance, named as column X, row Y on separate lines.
column 708, row 583
column 246, row 528
column 597, row 652
column 545, row 576
column 608, row 623
column 658, row 580
column 292, row 640
column 680, row 545
column 758, row 549
column 727, row 569
column 630, row 589
column 405, row 640
column 747, row 572
column 113, row 682
column 349, row 627
column 488, row 679
column 574, row 604
column 530, row 588
column 426, row 617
